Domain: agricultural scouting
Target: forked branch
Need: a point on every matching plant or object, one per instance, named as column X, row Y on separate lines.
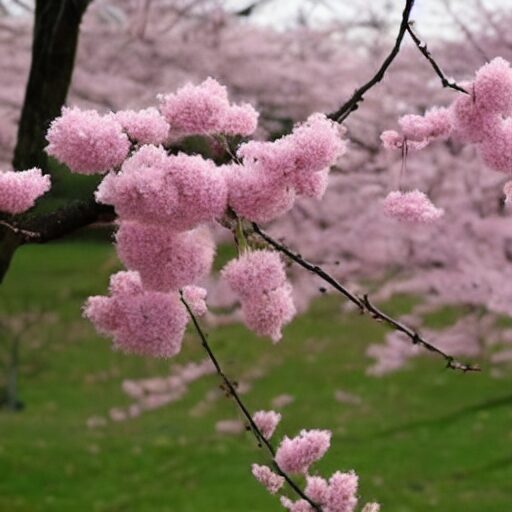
column 364, row 304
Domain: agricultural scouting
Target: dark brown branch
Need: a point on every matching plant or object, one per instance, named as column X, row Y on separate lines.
column 364, row 304
column 353, row 103
column 315, row 269
column 260, row 438
column 10, row 240
column 65, row 220
column 42, row 228
column 22, row 233
column 250, row 9
column 422, row 47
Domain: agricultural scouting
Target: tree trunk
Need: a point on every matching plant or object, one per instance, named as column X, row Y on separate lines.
column 9, row 242
column 56, row 29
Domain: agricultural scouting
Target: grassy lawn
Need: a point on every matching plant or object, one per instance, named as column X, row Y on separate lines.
column 421, row 439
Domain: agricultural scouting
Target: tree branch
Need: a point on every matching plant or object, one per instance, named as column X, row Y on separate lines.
column 10, row 240
column 22, row 233
column 422, row 47
column 66, row 220
column 365, row 305
column 353, row 103
column 260, row 438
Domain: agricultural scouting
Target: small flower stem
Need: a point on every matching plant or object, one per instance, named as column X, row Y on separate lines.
column 241, row 241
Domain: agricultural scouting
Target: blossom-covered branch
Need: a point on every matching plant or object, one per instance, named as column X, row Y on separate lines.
column 260, row 438
column 353, row 103
column 364, row 304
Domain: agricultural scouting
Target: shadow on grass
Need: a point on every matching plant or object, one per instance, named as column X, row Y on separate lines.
column 446, row 418
column 495, row 465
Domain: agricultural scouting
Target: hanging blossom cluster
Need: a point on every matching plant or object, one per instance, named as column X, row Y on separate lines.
column 259, row 280
column 141, row 321
column 411, row 207
column 165, row 200
column 482, row 117
column 20, row 190
column 296, row 456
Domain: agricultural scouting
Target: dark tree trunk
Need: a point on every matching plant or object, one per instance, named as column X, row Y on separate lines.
column 56, row 29
column 9, row 242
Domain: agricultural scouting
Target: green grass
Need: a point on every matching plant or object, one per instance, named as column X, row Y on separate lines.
column 422, row 439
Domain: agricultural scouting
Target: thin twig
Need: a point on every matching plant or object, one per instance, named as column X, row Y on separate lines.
column 27, row 235
column 315, row 269
column 365, row 305
column 353, row 103
column 260, row 438
column 422, row 47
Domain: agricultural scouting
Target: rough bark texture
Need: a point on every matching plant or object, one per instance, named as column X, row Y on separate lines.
column 56, row 29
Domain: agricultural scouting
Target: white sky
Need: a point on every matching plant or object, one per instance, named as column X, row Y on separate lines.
column 432, row 18
column 431, row 15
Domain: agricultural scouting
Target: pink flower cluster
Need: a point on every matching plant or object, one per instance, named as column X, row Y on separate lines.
column 477, row 115
column 163, row 200
column 411, row 207
column 166, row 260
column 482, row 117
column 265, row 476
column 146, row 126
column 259, row 280
column 140, row 321
column 180, row 191
column 419, row 131
column 297, row 454
column 87, row 142
column 271, row 175
column 337, row 494
column 267, row 422
column 19, row 190
column 195, row 297
column 205, row 109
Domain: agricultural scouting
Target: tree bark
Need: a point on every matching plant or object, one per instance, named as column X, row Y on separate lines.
column 56, row 29
column 9, row 242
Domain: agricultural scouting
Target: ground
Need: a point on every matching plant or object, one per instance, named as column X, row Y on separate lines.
column 422, row 439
